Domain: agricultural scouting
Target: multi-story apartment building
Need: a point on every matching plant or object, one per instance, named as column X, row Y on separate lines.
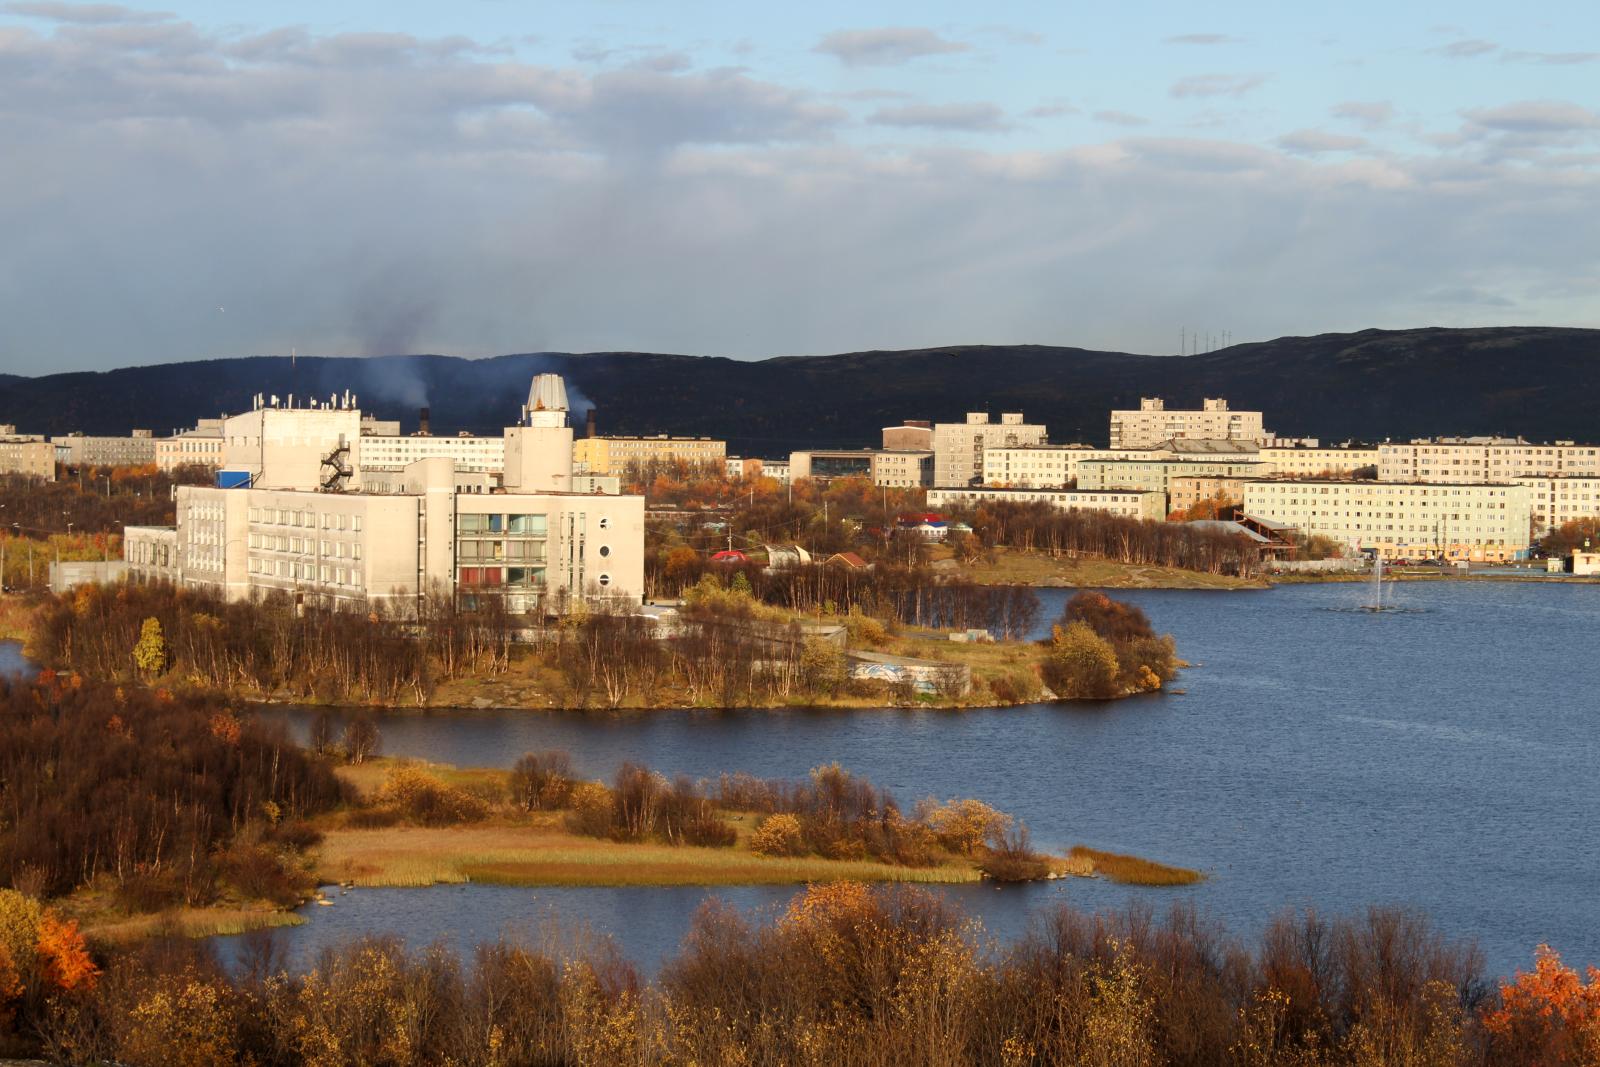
column 614, row 455
column 26, row 453
column 1558, row 501
column 1459, row 521
column 469, row 452
column 958, row 447
column 1155, row 475
column 884, row 467
column 1483, row 459
column 1130, row 504
column 1283, row 461
column 199, row 447
column 1038, row 466
column 1153, row 423
column 1184, row 492
column 297, row 517
column 81, row 450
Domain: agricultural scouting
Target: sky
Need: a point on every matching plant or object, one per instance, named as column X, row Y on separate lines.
column 752, row 180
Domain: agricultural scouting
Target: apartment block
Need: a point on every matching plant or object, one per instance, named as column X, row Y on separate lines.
column 199, row 447
column 1153, row 423
column 883, row 467
column 1484, row 459
column 958, row 447
column 1558, row 501
column 1459, row 521
column 468, row 452
column 1184, row 492
column 913, row 435
column 1129, row 504
column 1293, row 462
column 26, row 454
column 1038, row 466
column 81, row 450
column 1156, row 475
column 614, row 455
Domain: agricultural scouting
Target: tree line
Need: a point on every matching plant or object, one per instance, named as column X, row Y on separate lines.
column 1039, row 527
column 846, row 974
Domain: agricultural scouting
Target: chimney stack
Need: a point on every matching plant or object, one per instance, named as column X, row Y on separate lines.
column 422, row 423
column 588, row 425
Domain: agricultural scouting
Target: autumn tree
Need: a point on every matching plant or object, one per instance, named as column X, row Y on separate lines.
column 150, row 654
column 361, row 739
column 1080, row 664
column 1549, row 1018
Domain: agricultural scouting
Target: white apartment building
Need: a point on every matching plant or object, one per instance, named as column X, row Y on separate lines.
column 1129, row 504
column 1294, row 462
column 1038, row 466
column 469, row 452
column 1558, row 501
column 308, row 526
column 1484, row 459
column 958, row 447
column 1153, row 423
column 1156, row 475
column 1466, row 521
column 199, row 447
column 78, row 450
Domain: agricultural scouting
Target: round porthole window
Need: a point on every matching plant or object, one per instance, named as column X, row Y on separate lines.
column 605, row 579
column 605, row 550
column 605, row 522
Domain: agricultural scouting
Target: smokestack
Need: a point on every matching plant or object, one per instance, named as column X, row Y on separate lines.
column 588, row 425
column 422, row 423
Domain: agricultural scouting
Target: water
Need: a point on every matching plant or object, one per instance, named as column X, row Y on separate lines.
column 1442, row 758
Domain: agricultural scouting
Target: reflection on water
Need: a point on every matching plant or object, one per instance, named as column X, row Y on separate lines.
column 1442, row 759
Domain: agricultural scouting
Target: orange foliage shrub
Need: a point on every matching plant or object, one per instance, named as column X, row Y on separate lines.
column 63, row 955
column 1550, row 1018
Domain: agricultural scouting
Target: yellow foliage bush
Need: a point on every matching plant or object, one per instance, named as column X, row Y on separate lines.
column 778, row 835
column 181, row 1021
column 963, row 826
column 420, row 796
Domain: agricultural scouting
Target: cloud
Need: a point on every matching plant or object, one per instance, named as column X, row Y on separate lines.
column 1552, row 59
column 977, row 117
column 1312, row 142
column 1203, row 39
column 1534, row 116
column 1052, row 110
column 1120, row 118
column 1202, row 85
column 84, row 14
column 1470, row 48
column 1371, row 114
column 350, row 193
column 886, row 46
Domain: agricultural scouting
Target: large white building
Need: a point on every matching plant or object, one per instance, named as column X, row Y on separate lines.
column 1458, row 521
column 1153, row 423
column 292, row 513
column 1558, row 501
column 1484, row 459
column 958, row 447
column 1131, row 504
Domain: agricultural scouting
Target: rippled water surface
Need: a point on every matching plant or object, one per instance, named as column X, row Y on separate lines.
column 1443, row 757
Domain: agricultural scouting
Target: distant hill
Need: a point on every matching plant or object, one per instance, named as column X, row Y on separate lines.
column 1538, row 382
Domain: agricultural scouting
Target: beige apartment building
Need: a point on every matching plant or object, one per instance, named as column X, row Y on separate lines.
column 1484, row 459
column 1459, row 521
column 1558, row 501
column 80, row 450
column 1153, row 423
column 27, row 454
column 1130, row 504
column 1038, row 466
column 199, row 447
column 614, row 455
column 1184, row 492
column 1156, row 475
column 1294, row 462
column 959, row 447
column 302, row 519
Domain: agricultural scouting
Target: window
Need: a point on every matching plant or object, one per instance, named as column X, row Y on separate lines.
column 533, row 525
column 605, row 522
column 604, row 579
column 605, row 550
column 472, row 523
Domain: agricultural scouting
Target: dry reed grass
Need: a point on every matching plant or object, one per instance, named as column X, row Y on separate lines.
column 1132, row 870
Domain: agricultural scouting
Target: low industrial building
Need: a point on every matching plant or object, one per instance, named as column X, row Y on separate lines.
column 883, row 467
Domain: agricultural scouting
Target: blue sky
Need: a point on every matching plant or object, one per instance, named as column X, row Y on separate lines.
column 747, row 180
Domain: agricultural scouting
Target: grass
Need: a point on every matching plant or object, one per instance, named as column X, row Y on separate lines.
column 536, row 855
column 188, row 922
column 16, row 618
column 368, row 777
column 1012, row 567
column 1131, row 870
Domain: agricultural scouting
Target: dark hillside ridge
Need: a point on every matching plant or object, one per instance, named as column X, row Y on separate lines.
column 1540, row 382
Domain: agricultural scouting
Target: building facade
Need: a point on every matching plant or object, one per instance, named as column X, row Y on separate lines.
column 468, row 452
column 26, row 454
column 958, row 447
column 81, row 450
column 884, row 468
column 1558, row 501
column 614, row 455
column 1129, row 504
column 1156, row 475
column 1457, row 521
column 199, row 447
column 913, row 435
column 1484, row 459
column 1294, row 462
column 1152, row 423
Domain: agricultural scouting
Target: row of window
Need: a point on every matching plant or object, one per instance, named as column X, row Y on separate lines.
column 513, row 524
column 305, row 517
column 304, row 545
